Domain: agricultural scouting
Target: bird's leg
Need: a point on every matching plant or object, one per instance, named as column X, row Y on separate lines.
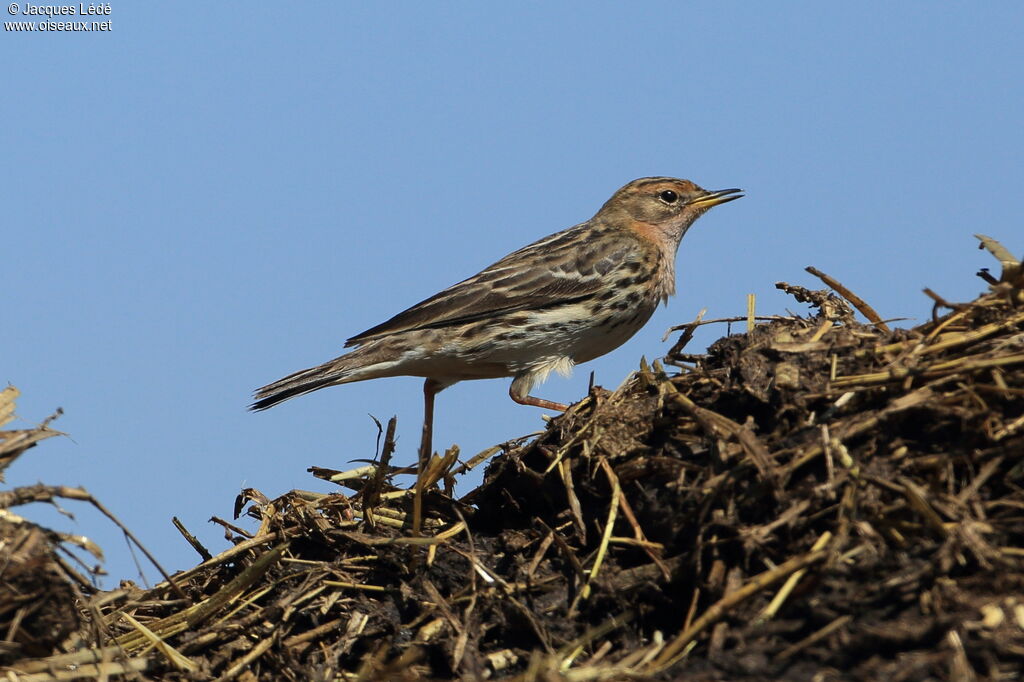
column 431, row 388
column 519, row 391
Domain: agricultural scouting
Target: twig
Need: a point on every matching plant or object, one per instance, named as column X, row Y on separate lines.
column 191, row 539
column 44, row 493
column 787, row 588
column 858, row 303
column 609, row 525
column 824, row 632
column 371, row 491
column 734, row 598
column 239, row 667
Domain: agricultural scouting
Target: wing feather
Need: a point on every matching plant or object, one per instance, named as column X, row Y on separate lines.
column 566, row 267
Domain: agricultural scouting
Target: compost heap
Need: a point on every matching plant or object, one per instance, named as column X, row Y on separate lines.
column 816, row 498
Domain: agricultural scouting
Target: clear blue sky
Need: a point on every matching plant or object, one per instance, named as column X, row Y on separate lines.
column 213, row 195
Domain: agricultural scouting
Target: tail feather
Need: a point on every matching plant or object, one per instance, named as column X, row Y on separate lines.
column 368, row 362
column 299, row 383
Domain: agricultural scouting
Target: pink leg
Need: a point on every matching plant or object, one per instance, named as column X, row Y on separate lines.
column 519, row 391
column 431, row 388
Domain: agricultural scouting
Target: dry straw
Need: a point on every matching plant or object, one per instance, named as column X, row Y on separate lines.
column 817, row 496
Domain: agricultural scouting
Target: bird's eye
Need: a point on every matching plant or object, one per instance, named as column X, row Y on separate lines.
column 668, row 196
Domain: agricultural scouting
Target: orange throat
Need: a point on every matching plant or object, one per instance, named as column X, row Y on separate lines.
column 661, row 253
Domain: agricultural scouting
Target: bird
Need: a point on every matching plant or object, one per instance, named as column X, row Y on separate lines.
column 560, row 301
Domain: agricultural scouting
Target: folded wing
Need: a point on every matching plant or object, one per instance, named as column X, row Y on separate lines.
column 564, row 268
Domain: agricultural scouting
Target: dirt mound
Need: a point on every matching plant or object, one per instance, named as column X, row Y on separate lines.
column 813, row 499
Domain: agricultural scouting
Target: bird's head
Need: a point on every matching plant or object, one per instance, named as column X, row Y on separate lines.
column 662, row 207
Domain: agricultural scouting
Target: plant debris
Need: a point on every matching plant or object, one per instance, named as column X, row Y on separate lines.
column 814, row 499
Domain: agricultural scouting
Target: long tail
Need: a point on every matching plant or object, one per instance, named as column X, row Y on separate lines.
column 292, row 385
column 362, row 363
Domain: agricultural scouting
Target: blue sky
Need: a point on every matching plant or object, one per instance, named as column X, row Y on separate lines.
column 213, row 195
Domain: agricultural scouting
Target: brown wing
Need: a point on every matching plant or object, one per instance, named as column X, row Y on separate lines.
column 566, row 267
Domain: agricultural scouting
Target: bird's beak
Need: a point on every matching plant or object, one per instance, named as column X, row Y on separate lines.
column 715, row 198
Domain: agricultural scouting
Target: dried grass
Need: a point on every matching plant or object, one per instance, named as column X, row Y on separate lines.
column 815, row 498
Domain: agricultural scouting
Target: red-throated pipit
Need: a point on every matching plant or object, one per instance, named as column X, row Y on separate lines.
column 565, row 299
